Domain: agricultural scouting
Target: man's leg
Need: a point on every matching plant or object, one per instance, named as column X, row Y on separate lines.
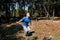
column 25, row 31
column 28, row 28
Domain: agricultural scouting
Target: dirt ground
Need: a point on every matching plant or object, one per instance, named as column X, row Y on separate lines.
column 44, row 28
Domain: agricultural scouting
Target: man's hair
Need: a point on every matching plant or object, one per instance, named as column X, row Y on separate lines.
column 26, row 13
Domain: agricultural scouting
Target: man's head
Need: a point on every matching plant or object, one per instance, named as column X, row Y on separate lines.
column 27, row 14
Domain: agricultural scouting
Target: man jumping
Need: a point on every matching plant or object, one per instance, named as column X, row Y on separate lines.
column 25, row 21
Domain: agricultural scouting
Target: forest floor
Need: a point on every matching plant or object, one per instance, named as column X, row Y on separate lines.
column 41, row 28
column 46, row 28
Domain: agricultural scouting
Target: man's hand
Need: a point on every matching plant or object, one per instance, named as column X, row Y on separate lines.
column 18, row 23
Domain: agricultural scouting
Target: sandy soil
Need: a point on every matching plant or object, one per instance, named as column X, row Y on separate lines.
column 44, row 28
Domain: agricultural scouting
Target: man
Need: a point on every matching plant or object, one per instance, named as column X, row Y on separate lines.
column 25, row 21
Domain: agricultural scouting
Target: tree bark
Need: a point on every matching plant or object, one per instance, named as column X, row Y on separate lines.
column 46, row 11
column 53, row 14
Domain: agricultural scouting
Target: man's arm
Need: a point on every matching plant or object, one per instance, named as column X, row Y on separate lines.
column 19, row 21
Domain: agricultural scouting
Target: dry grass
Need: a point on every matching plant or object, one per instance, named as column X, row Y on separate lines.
column 43, row 28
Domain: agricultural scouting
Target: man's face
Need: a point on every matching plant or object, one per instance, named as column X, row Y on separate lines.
column 28, row 14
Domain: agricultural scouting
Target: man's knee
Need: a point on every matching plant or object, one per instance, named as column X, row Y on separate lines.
column 28, row 28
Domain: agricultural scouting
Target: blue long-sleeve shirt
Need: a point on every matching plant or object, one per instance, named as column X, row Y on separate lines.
column 25, row 22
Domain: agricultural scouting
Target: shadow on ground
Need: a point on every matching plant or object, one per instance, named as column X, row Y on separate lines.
column 8, row 33
column 31, row 33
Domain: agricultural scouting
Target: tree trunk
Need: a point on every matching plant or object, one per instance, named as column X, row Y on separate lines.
column 53, row 14
column 46, row 12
